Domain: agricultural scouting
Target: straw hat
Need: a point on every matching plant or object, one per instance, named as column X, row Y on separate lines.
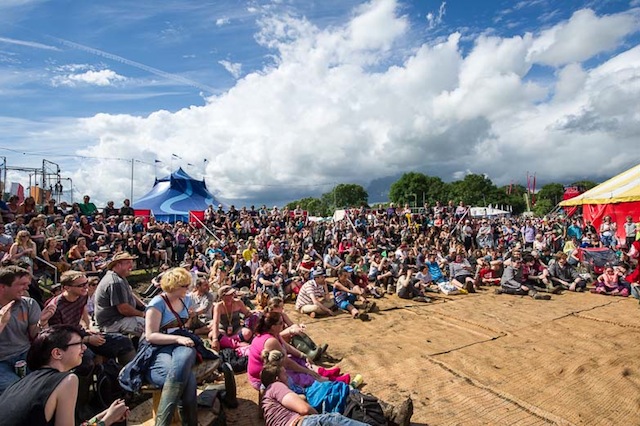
column 226, row 290
column 118, row 257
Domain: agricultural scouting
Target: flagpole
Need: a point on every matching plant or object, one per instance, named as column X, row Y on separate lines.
column 131, row 197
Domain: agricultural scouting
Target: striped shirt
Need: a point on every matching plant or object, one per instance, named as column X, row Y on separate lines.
column 309, row 288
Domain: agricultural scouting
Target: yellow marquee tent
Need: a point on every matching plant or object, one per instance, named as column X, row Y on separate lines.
column 618, row 197
column 622, row 188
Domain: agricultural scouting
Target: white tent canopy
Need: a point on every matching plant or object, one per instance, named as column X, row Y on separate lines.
column 488, row 212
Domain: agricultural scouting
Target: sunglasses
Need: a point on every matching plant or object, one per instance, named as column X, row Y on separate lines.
column 185, row 286
column 84, row 284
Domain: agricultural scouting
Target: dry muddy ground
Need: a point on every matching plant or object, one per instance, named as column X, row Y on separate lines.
column 487, row 359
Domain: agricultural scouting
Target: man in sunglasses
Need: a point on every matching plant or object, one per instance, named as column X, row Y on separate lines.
column 71, row 309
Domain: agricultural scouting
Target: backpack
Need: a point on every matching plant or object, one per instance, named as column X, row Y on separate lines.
column 106, row 385
column 365, row 408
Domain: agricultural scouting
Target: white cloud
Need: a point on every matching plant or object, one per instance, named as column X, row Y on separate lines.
column 96, row 78
column 222, row 21
column 583, row 36
column 330, row 110
column 435, row 20
column 235, row 69
column 570, row 81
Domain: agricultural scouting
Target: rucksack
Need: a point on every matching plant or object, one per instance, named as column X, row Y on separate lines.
column 106, row 385
column 365, row 408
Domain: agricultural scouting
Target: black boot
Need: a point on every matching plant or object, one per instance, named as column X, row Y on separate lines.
column 230, row 398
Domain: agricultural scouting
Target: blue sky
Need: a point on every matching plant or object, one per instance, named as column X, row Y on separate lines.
column 287, row 98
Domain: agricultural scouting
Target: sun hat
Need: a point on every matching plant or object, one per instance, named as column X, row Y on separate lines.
column 318, row 272
column 226, row 290
column 119, row 257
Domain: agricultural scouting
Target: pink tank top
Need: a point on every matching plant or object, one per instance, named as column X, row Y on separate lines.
column 254, row 366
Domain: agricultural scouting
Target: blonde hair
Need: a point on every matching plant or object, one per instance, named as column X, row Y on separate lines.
column 175, row 278
column 273, row 357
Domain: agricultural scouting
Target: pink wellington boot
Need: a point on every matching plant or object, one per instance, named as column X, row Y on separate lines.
column 329, row 372
column 345, row 378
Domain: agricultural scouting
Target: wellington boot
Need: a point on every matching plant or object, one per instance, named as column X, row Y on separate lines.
column 171, row 395
column 230, row 398
column 301, row 343
column 188, row 415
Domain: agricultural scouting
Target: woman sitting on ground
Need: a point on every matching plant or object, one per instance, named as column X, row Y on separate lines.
column 610, row 282
column 172, row 363
column 47, row 395
column 268, row 338
column 295, row 334
column 226, row 327
column 462, row 274
column 283, row 407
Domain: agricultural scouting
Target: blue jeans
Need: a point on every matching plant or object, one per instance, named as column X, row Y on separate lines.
column 329, row 419
column 8, row 374
column 173, row 363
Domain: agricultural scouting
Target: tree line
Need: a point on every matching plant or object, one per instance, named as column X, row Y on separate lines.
column 416, row 188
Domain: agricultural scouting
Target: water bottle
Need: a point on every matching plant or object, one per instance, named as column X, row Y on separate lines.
column 357, row 381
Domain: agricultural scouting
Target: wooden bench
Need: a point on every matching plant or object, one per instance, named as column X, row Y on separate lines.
column 203, row 371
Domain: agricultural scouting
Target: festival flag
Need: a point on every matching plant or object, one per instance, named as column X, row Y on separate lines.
column 17, row 189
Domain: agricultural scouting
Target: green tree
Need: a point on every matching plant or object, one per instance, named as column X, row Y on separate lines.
column 552, row 192
column 414, row 187
column 542, row 207
column 586, row 184
column 345, row 195
column 475, row 190
column 314, row 206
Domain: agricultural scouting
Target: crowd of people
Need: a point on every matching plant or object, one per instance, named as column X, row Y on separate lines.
column 227, row 280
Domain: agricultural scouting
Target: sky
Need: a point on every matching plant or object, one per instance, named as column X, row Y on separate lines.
column 272, row 101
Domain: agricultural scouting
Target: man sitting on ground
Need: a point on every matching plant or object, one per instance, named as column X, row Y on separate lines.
column 345, row 294
column 314, row 298
column 333, row 263
column 408, row 287
column 538, row 275
column 512, row 282
column 565, row 275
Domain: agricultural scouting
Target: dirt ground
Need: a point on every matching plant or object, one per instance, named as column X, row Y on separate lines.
column 486, row 359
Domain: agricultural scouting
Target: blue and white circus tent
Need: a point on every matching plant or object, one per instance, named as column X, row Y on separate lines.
column 174, row 196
